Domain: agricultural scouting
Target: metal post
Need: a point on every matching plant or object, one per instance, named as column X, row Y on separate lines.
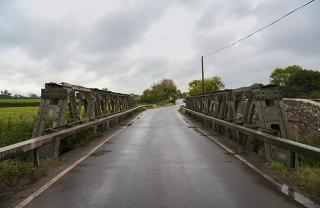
column 292, row 159
column 202, row 75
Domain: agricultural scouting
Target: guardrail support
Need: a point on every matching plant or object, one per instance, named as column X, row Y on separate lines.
column 35, row 157
column 56, row 148
column 293, row 160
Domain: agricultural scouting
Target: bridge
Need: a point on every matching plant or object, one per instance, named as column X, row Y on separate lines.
column 204, row 153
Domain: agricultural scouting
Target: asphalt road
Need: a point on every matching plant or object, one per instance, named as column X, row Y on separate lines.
column 159, row 161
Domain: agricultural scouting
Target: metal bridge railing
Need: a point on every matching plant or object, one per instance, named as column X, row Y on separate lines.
column 254, row 116
column 67, row 109
column 38, row 142
column 292, row 146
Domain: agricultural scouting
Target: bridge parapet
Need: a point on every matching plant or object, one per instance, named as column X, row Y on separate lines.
column 257, row 107
column 67, row 109
column 62, row 104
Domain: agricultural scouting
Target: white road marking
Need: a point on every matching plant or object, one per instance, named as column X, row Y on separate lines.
column 284, row 188
column 61, row 174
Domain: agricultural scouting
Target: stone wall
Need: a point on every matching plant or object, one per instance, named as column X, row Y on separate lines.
column 303, row 116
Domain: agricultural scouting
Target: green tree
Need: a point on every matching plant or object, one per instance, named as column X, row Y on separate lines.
column 213, row 84
column 305, row 83
column 5, row 94
column 281, row 76
column 164, row 90
column 294, row 81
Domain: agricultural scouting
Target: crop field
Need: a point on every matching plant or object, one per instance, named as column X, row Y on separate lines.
column 16, row 124
column 17, row 113
column 19, row 102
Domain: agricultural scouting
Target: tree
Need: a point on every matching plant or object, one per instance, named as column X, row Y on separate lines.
column 305, row 83
column 280, row 77
column 294, row 81
column 5, row 94
column 213, row 84
column 33, row 96
column 166, row 89
column 179, row 94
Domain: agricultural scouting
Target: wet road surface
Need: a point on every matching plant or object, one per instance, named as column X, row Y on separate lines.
column 159, row 161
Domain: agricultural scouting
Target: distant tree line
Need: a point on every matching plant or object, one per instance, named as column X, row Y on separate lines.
column 167, row 91
column 6, row 94
column 293, row 81
column 296, row 82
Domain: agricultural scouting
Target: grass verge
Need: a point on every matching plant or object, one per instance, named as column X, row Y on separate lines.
column 16, row 175
column 305, row 178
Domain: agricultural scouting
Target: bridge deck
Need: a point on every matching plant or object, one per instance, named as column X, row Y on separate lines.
column 159, row 161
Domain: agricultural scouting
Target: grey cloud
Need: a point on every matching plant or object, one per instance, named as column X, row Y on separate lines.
column 39, row 38
column 97, row 52
column 97, row 47
column 220, row 11
column 120, row 29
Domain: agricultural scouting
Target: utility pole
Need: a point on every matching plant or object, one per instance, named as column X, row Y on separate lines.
column 202, row 75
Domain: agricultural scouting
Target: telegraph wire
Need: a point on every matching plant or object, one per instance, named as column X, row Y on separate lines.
column 262, row 28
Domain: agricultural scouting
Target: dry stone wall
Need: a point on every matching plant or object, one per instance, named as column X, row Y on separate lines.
column 304, row 117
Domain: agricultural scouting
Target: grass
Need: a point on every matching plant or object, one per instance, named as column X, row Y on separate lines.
column 16, row 124
column 308, row 139
column 306, row 178
column 18, row 113
column 16, row 174
column 312, row 140
column 19, row 100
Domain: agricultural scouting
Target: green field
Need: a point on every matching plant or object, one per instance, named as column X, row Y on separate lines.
column 19, row 100
column 16, row 124
column 18, row 113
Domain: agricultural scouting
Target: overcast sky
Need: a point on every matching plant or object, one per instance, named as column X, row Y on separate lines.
column 126, row 45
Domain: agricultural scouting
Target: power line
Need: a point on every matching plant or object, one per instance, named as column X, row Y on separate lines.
column 262, row 28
